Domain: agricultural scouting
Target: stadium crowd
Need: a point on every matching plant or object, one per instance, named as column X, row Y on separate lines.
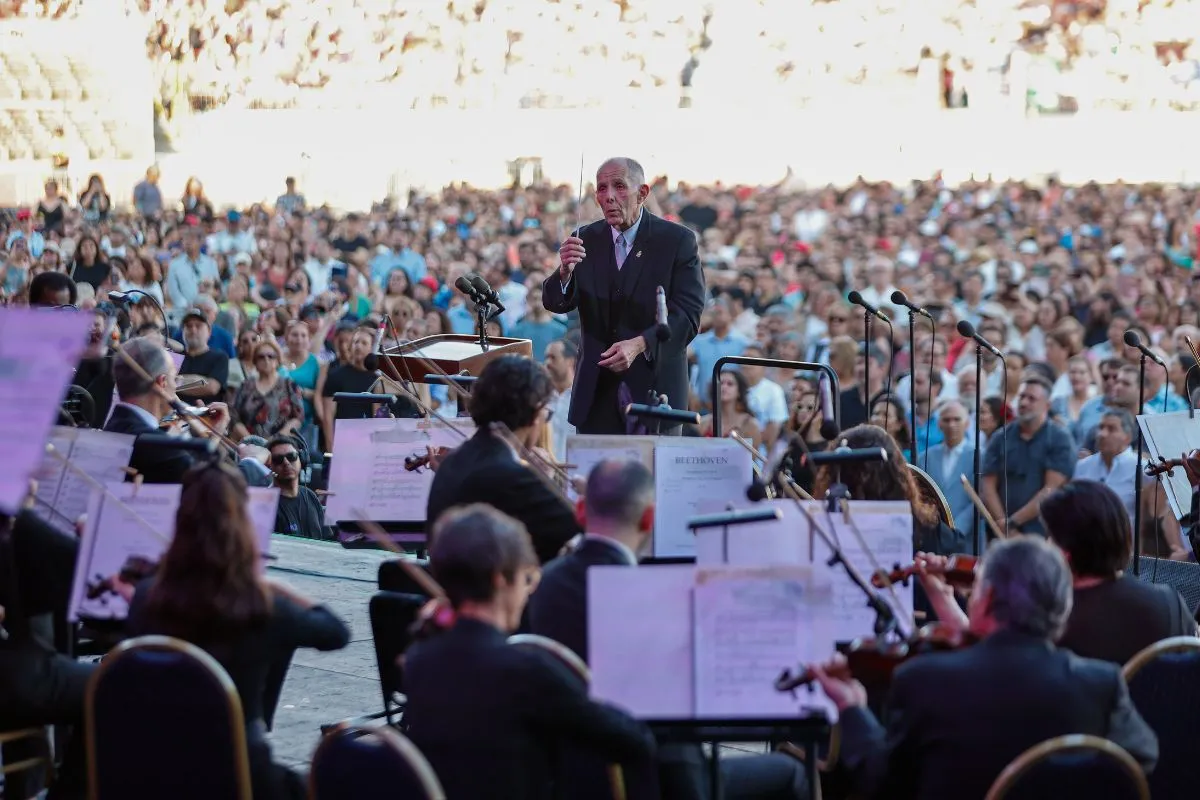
column 539, row 53
column 1053, row 275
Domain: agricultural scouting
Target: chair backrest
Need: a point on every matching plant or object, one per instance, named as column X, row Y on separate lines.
column 161, row 712
column 368, row 763
column 1182, row 576
column 393, row 578
column 1078, row 765
column 578, row 768
column 392, row 617
column 1164, row 684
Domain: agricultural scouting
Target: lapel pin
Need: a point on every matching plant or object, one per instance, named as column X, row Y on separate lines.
column 638, row 254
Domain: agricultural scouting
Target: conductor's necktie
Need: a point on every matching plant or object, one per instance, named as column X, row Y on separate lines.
column 621, row 250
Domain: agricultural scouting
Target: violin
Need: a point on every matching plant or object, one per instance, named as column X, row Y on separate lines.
column 434, row 617
column 431, row 458
column 959, row 572
column 134, row 570
column 872, row 660
column 1166, row 466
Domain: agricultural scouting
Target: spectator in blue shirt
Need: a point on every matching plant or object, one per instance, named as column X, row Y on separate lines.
column 719, row 341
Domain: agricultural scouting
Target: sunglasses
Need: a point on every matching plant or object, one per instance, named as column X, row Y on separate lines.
column 837, row 319
column 280, row 459
column 266, row 356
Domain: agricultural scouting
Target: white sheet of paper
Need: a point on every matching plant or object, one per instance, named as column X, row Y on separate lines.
column 586, row 451
column 780, row 542
column 640, row 639
column 1171, row 436
column 887, row 529
column 690, row 475
column 113, row 534
column 368, row 467
column 62, row 494
column 39, row 349
column 751, row 624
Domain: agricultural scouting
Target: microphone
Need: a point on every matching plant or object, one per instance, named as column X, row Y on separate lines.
column 371, row 362
column 829, row 426
column 162, row 440
column 846, row 455
column 723, row 519
column 662, row 332
column 464, row 285
column 901, row 299
column 857, row 299
column 484, row 289
column 121, row 298
column 967, row 331
column 676, row 416
column 1133, row 340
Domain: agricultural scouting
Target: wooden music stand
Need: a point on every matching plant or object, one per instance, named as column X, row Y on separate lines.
column 453, row 353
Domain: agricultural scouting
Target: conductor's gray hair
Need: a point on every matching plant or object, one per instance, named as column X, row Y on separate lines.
column 633, row 170
column 146, row 354
column 1030, row 585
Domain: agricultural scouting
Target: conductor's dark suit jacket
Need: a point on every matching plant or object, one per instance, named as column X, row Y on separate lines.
column 617, row 305
column 154, row 464
column 489, row 716
column 483, row 469
column 956, row 720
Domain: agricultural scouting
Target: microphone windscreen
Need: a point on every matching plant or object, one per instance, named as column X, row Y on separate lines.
column 463, row 285
column 965, row 329
column 371, row 362
column 855, row 297
column 829, row 430
column 1132, row 339
column 899, row 298
column 480, row 284
column 756, row 492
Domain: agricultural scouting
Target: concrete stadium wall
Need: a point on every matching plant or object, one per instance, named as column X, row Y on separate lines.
column 350, row 159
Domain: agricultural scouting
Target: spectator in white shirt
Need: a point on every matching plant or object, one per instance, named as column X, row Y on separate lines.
column 231, row 238
column 1114, row 463
column 766, row 398
column 559, row 361
column 881, row 273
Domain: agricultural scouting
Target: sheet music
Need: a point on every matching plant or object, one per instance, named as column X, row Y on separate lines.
column 690, row 475
column 39, row 349
column 751, row 624
column 368, row 467
column 642, row 661
column 586, row 451
column 62, row 494
column 1170, row 436
column 113, row 535
column 887, row 528
column 779, row 542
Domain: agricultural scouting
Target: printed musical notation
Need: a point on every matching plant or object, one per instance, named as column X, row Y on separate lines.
column 368, row 467
column 62, row 494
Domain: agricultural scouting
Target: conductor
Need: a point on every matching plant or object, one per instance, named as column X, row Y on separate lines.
column 611, row 272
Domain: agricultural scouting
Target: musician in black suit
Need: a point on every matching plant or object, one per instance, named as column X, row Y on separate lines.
column 140, row 407
column 956, row 719
column 514, row 391
column 487, row 715
column 609, row 272
column 620, row 518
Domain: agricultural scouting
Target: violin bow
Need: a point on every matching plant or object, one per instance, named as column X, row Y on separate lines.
column 980, row 507
column 380, row 537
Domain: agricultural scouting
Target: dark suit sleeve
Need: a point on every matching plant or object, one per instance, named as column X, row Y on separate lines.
column 559, row 706
column 44, row 558
column 518, row 492
column 554, row 299
column 685, row 295
column 1127, row 728
column 882, row 761
column 316, row 627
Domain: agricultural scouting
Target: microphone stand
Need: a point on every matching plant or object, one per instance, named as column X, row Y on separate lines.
column 1137, row 475
column 481, row 314
column 977, row 467
column 912, row 383
column 866, row 389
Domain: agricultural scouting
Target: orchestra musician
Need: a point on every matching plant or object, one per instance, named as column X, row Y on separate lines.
column 516, row 392
column 956, row 719
column 610, row 271
column 487, row 715
column 619, row 509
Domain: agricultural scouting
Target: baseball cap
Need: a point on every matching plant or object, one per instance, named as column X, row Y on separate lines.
column 195, row 313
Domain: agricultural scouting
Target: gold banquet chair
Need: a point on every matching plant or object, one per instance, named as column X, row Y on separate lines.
column 42, row 761
column 1076, row 765
column 1164, row 684
column 354, row 763
column 567, row 657
column 932, row 494
column 160, row 712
